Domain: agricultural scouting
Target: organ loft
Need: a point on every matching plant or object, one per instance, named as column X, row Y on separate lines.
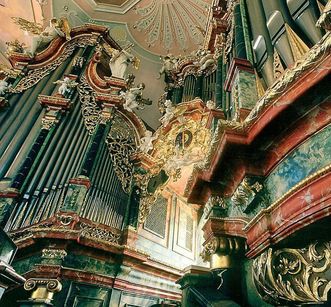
column 165, row 153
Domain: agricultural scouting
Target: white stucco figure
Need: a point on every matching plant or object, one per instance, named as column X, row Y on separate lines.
column 210, row 104
column 206, row 61
column 119, row 63
column 146, row 143
column 131, row 97
column 169, row 113
column 40, row 37
column 51, row 32
column 4, row 86
column 169, row 64
column 65, row 86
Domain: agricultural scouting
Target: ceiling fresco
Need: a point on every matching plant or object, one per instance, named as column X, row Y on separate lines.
column 159, row 26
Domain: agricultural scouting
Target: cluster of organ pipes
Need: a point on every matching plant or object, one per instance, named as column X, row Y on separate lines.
column 270, row 35
column 39, row 162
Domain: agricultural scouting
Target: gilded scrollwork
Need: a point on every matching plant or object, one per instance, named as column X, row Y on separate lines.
column 290, row 275
column 94, row 232
column 51, row 285
column 122, row 145
column 90, row 110
column 35, row 75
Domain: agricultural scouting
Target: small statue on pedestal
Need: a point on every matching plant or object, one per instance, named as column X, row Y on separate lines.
column 169, row 113
column 120, row 61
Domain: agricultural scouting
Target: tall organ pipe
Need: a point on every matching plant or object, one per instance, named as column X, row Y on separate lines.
column 262, row 45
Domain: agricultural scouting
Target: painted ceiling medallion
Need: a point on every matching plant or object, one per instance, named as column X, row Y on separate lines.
column 172, row 23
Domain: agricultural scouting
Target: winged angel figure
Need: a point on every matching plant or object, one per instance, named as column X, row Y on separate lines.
column 40, row 38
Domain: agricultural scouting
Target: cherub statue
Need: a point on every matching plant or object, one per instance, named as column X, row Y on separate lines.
column 4, row 86
column 169, row 64
column 169, row 113
column 40, row 38
column 206, row 61
column 146, row 143
column 120, row 61
column 210, row 104
column 133, row 98
column 65, row 86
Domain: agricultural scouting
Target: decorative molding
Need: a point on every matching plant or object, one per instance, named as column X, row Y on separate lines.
column 59, row 254
column 35, row 75
column 314, row 56
column 307, row 203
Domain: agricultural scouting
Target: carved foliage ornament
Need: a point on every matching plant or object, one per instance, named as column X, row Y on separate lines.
column 294, row 275
column 35, row 75
column 122, row 145
column 90, row 110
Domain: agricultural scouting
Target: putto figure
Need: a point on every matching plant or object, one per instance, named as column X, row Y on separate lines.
column 4, row 86
column 65, row 86
column 133, row 98
column 146, row 143
column 169, row 113
column 40, row 37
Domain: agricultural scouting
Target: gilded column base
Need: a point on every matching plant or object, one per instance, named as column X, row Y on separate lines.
column 223, row 252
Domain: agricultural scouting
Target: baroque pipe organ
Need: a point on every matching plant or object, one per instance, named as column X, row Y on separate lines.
column 227, row 203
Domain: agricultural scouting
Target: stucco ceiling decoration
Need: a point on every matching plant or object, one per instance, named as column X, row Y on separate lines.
column 172, row 24
column 113, row 6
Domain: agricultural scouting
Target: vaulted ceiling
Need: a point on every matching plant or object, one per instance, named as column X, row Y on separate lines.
column 159, row 26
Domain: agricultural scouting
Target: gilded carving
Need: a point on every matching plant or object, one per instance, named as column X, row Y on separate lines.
column 90, row 110
column 94, row 232
column 35, row 75
column 245, row 192
column 53, row 253
column 43, row 289
column 121, row 144
column 294, row 275
column 325, row 19
column 185, row 144
column 48, row 123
